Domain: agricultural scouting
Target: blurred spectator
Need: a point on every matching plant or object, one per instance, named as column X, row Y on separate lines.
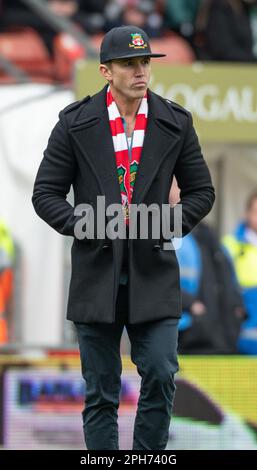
column 145, row 14
column 211, row 301
column 6, row 280
column 210, row 296
column 70, row 9
column 65, row 8
column 253, row 23
column 223, row 31
column 92, row 6
column 180, row 16
column 242, row 247
column 93, row 12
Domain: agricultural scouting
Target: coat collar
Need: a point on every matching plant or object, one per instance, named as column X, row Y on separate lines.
column 91, row 132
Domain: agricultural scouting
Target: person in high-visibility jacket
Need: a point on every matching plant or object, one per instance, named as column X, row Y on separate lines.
column 242, row 247
column 6, row 278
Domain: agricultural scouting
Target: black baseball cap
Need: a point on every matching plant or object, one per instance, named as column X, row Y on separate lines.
column 124, row 42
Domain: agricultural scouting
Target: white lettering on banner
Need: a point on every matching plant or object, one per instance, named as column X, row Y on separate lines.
column 231, row 106
column 208, row 103
column 249, row 99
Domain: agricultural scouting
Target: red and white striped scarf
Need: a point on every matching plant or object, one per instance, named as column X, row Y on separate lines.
column 127, row 169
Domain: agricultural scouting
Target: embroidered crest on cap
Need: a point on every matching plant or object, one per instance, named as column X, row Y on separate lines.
column 137, row 41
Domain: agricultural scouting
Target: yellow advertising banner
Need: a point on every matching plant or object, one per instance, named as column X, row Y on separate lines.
column 214, row 406
column 222, row 98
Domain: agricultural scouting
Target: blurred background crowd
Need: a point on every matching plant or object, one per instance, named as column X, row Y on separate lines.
column 43, row 38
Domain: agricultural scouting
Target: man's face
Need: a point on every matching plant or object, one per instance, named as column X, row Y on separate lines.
column 128, row 77
column 251, row 216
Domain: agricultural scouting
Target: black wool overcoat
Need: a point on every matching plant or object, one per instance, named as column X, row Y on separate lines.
column 80, row 153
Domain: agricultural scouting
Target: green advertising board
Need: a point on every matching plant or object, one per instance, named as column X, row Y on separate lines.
column 222, row 98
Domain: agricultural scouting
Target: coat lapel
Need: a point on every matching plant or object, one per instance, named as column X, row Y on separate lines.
column 162, row 134
column 91, row 132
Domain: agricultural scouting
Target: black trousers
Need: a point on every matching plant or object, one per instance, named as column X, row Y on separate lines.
column 154, row 352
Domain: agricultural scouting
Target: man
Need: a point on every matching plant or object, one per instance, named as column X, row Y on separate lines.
column 242, row 248
column 124, row 141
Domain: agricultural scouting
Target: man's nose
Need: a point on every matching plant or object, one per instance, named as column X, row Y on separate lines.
column 139, row 69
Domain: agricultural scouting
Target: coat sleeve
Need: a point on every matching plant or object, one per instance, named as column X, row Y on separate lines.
column 197, row 193
column 53, row 181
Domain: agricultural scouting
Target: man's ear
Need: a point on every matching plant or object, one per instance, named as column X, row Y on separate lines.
column 105, row 71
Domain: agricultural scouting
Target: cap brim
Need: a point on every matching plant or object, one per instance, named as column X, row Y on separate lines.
column 128, row 56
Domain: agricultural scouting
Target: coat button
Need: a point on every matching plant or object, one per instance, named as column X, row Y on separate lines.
column 105, row 246
column 156, row 247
